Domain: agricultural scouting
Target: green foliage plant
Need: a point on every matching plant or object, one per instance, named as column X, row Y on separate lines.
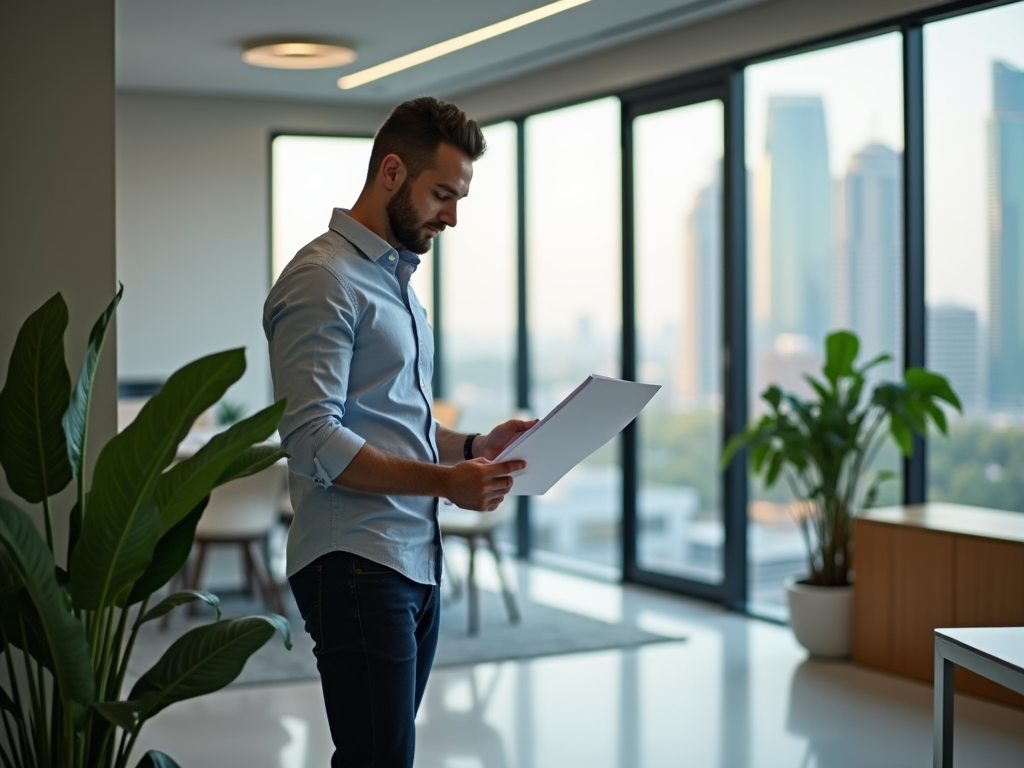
column 824, row 446
column 67, row 632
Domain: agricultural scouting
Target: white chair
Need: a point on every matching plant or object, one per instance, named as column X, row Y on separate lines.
column 473, row 527
column 243, row 513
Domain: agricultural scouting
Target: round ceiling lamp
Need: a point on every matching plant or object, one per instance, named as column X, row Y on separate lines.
column 298, row 53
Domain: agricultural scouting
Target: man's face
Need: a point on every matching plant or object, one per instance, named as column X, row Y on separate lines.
column 424, row 206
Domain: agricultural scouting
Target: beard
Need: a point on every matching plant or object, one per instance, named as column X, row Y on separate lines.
column 405, row 224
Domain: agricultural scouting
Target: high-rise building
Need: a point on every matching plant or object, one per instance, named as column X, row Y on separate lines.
column 700, row 376
column 954, row 350
column 793, row 223
column 868, row 265
column 1006, row 238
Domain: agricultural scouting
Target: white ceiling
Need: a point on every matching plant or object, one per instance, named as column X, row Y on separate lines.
column 194, row 46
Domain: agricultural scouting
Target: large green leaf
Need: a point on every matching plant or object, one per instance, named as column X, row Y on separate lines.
column 123, row 714
column 205, row 659
column 63, row 634
column 76, row 418
column 122, row 524
column 253, row 460
column 169, row 557
column 841, row 348
column 172, row 601
column 23, row 628
column 33, row 450
column 154, row 759
column 181, row 487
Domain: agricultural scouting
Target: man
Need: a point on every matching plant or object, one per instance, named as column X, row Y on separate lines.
column 351, row 350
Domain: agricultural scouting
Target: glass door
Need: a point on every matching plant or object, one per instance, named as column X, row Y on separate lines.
column 677, row 254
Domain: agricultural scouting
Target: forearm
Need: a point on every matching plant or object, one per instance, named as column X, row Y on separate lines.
column 451, row 444
column 375, row 471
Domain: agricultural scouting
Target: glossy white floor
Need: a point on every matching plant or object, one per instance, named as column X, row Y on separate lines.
column 736, row 693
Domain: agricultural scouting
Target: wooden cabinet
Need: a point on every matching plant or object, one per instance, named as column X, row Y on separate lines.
column 919, row 568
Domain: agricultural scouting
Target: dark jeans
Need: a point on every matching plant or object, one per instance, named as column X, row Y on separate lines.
column 375, row 633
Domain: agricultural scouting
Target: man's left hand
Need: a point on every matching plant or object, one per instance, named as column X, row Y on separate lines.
column 489, row 446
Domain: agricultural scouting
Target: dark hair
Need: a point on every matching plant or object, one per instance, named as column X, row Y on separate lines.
column 416, row 128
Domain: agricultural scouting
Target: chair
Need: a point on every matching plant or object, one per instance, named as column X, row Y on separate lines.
column 473, row 527
column 242, row 513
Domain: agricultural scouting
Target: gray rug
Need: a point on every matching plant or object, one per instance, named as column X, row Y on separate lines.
column 543, row 631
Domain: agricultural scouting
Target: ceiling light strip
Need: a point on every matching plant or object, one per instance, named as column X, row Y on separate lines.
column 455, row 44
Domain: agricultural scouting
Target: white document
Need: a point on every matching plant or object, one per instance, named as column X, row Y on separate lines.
column 593, row 414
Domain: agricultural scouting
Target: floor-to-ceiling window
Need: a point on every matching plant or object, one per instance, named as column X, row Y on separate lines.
column 824, row 143
column 677, row 221
column 477, row 304
column 573, row 246
column 974, row 196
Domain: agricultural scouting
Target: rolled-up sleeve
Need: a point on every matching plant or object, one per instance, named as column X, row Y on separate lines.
column 309, row 319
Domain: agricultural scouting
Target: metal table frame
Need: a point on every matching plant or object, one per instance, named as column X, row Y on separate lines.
column 952, row 647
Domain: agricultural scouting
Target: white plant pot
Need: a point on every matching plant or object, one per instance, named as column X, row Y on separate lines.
column 821, row 618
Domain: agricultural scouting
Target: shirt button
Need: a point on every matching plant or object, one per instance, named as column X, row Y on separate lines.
column 391, row 257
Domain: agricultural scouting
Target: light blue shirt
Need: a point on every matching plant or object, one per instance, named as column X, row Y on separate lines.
column 351, row 350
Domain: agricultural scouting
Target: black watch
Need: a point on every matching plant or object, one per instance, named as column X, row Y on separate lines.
column 467, row 447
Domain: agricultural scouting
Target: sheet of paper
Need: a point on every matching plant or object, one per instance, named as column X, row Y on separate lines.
column 593, row 414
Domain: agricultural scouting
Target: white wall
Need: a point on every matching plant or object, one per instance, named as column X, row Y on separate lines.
column 193, row 231
column 57, row 186
column 745, row 32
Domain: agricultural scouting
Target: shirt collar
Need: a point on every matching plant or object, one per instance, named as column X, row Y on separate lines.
column 369, row 244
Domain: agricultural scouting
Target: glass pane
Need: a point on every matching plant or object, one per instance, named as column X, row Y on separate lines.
column 573, row 198
column 678, row 219
column 313, row 175
column 479, row 290
column 824, row 153
column 974, row 196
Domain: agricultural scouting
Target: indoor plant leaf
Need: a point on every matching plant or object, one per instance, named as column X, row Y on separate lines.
column 169, row 556
column 33, row 450
column 205, row 659
column 155, row 759
column 18, row 615
column 118, row 540
column 171, row 602
column 179, row 489
column 76, row 417
column 841, row 348
column 123, row 714
column 63, row 633
column 254, row 459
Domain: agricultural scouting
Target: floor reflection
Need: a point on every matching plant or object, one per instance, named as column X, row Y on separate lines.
column 452, row 725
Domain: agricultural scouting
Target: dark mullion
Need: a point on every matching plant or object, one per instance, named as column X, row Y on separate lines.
column 630, row 438
column 734, row 371
column 439, row 358
column 523, row 543
column 914, row 321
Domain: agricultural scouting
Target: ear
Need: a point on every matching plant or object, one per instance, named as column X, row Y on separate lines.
column 392, row 172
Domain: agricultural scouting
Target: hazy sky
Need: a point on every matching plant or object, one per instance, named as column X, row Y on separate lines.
column 573, row 162
column 958, row 104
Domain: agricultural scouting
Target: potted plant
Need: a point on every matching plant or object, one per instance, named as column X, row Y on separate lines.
column 69, row 620
column 824, row 447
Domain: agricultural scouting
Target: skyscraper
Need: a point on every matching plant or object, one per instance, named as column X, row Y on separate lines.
column 699, row 376
column 954, row 350
column 869, row 269
column 793, row 222
column 1006, row 238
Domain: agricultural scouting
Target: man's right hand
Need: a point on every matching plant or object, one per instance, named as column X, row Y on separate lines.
column 480, row 485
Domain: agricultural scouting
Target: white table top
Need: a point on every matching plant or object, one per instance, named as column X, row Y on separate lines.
column 1004, row 645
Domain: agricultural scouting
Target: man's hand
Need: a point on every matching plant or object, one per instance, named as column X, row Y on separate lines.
column 479, row 485
column 489, row 446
